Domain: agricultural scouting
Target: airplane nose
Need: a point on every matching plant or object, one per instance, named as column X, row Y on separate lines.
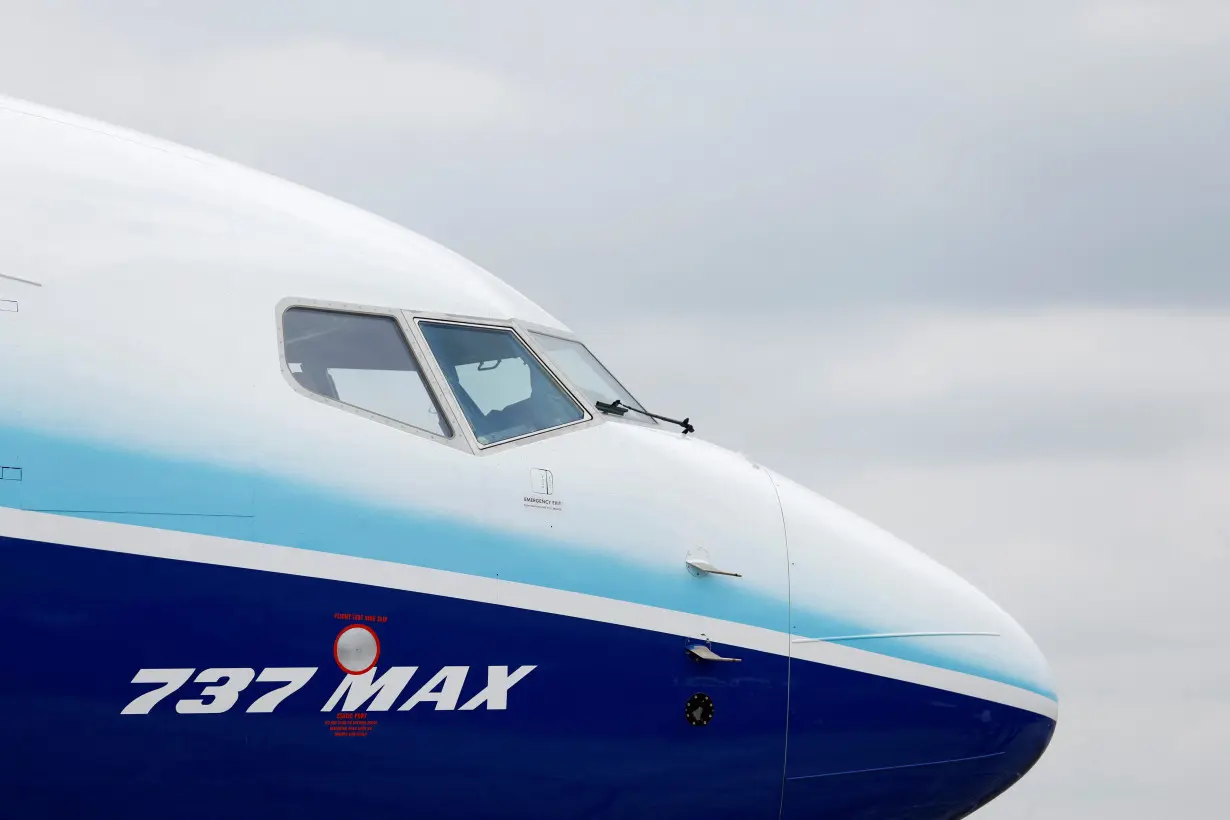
column 912, row 695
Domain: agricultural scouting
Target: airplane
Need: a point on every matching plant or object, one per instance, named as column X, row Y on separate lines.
column 304, row 515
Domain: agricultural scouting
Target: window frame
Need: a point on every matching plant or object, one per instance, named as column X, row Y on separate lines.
column 423, row 360
column 529, row 329
column 589, row 416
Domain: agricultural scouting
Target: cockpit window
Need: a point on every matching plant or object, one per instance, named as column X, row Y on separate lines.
column 361, row 360
column 587, row 373
column 504, row 391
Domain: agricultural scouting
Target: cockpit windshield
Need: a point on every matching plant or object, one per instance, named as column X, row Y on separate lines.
column 585, row 371
column 502, row 388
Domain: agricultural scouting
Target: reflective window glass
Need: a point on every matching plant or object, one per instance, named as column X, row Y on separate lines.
column 587, row 373
column 360, row 360
column 504, row 391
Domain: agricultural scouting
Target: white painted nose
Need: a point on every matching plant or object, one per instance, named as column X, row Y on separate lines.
column 855, row 585
column 909, row 688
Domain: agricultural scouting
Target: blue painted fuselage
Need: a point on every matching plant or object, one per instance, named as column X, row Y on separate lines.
column 596, row 729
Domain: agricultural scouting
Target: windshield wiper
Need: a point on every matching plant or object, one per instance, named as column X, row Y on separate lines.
column 618, row 408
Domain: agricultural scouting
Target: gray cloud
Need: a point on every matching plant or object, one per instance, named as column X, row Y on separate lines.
column 935, row 154
column 922, row 387
column 963, row 269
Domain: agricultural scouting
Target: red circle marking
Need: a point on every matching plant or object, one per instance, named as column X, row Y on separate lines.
column 338, row 660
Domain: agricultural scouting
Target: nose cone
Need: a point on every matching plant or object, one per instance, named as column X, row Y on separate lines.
column 912, row 693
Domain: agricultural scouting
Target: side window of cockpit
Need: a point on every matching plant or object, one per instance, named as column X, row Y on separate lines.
column 361, row 360
column 580, row 367
column 504, row 391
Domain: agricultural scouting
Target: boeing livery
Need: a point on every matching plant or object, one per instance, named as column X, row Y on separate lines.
column 304, row 516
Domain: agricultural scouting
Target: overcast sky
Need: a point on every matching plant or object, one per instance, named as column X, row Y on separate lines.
column 962, row 267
